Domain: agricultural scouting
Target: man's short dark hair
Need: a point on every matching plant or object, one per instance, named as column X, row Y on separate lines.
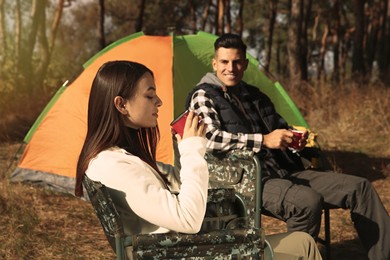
column 230, row 40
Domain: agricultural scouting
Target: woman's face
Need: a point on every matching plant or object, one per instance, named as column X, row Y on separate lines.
column 142, row 108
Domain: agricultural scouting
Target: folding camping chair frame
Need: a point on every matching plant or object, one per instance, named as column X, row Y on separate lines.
column 248, row 240
column 326, row 240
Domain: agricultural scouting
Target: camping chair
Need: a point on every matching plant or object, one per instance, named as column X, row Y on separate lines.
column 242, row 171
column 242, row 242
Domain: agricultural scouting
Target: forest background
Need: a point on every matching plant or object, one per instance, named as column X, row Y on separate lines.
column 333, row 58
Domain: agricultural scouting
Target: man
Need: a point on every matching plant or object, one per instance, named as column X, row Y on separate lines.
column 239, row 116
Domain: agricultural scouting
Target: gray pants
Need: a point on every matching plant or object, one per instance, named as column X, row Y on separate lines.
column 299, row 199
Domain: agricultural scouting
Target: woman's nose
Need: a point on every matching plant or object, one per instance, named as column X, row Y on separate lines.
column 159, row 101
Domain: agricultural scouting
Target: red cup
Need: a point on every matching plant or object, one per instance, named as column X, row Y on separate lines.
column 177, row 126
column 295, row 140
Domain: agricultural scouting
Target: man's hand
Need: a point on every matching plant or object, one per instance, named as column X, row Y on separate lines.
column 281, row 138
column 278, row 139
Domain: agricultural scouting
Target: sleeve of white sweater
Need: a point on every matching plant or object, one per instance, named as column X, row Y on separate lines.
column 145, row 193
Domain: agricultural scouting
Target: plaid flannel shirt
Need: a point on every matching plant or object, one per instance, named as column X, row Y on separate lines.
column 218, row 140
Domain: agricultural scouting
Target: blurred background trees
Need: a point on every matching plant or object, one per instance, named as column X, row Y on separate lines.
column 45, row 42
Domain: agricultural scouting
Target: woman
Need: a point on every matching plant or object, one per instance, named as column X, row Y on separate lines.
column 120, row 151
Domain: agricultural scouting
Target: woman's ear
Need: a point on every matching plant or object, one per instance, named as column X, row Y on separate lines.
column 119, row 103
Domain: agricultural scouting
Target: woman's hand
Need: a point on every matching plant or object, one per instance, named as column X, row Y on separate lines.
column 194, row 126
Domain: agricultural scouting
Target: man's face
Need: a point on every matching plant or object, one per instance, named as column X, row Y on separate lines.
column 229, row 65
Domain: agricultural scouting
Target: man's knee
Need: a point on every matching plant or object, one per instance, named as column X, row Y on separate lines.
column 304, row 212
column 314, row 203
column 285, row 199
column 362, row 185
column 304, row 201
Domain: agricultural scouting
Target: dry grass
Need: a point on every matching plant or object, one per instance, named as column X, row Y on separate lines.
column 353, row 126
column 348, row 118
column 40, row 224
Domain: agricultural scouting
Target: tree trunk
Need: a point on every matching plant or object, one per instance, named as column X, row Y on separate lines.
column 100, row 28
column 373, row 25
column 323, row 48
column 228, row 25
column 240, row 20
column 315, row 26
column 383, row 52
column 306, row 11
column 278, row 59
column 205, row 15
column 25, row 66
column 44, row 61
column 346, row 44
column 220, row 17
column 17, row 39
column 139, row 21
column 3, row 37
column 56, row 22
column 336, row 40
column 193, row 15
column 358, row 69
column 273, row 8
column 294, row 34
column 387, row 57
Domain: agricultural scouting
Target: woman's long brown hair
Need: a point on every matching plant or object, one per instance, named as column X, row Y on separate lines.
column 106, row 126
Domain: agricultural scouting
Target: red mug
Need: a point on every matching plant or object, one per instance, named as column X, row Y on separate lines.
column 177, row 125
column 295, row 140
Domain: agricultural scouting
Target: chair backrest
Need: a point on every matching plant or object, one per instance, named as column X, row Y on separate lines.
column 224, row 210
column 241, row 171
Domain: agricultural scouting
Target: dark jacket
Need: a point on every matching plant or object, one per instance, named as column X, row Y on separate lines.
column 257, row 115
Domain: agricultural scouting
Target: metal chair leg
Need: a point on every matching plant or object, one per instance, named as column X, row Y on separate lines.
column 326, row 240
column 327, row 233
